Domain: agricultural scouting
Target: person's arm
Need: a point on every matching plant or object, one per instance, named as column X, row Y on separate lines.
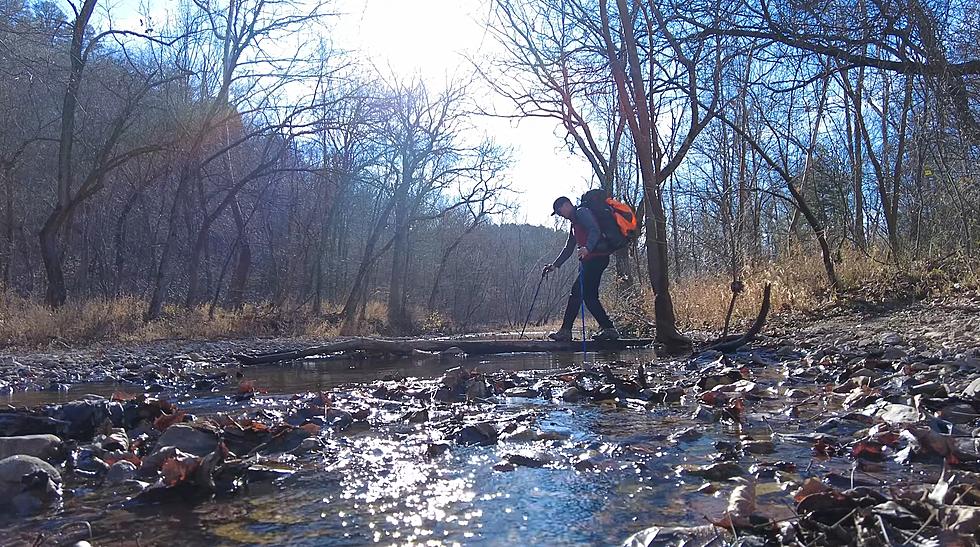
column 588, row 221
column 566, row 253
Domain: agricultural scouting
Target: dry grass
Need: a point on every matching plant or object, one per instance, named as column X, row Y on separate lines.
column 799, row 284
column 27, row 323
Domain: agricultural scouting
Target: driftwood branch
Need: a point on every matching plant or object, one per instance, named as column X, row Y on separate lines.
column 422, row 348
column 729, row 344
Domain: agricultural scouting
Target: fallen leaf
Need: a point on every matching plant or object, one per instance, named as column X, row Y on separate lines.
column 122, row 396
column 176, row 470
column 810, row 486
column 311, row 428
column 167, row 420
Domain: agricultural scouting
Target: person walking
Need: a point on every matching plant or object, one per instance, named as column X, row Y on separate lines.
column 593, row 252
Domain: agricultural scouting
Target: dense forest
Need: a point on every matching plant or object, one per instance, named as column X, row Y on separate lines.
column 230, row 155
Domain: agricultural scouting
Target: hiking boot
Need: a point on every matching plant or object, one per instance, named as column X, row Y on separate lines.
column 606, row 334
column 562, row 335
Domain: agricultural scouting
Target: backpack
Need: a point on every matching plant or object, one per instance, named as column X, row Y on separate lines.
column 616, row 219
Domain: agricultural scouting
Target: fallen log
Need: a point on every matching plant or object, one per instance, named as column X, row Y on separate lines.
column 421, row 348
column 729, row 344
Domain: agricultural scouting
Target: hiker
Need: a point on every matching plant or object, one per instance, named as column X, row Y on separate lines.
column 593, row 252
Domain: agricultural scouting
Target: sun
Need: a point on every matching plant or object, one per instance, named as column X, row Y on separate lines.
column 428, row 37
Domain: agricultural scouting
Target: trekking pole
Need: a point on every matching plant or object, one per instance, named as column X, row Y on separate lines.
column 581, row 288
column 533, row 300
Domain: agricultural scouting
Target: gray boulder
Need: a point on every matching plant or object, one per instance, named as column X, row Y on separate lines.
column 120, row 472
column 28, row 484
column 45, row 447
column 186, row 438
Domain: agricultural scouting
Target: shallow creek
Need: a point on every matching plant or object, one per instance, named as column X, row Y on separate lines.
column 597, row 473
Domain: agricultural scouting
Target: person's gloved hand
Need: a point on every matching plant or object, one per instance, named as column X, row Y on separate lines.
column 582, row 252
column 548, row 269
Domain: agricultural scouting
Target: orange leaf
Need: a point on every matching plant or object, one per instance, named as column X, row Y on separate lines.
column 810, row 486
column 167, row 420
column 176, row 471
column 312, row 429
column 122, row 396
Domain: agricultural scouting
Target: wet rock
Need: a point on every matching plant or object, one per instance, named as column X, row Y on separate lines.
column 45, row 447
column 436, row 449
column 481, row 433
column 892, row 339
column 893, row 354
column 759, row 447
column 85, row 416
column 120, row 472
column 685, row 435
column 28, row 484
column 897, row 414
column 16, row 424
column 572, row 395
column 530, row 459
column 190, row 439
column 477, row 389
column 90, row 462
column 716, row 471
column 521, row 392
column 959, row 413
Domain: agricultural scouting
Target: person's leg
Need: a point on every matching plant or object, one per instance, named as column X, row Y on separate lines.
column 574, row 303
column 593, row 270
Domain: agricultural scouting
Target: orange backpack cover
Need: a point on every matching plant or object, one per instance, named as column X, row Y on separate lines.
column 625, row 217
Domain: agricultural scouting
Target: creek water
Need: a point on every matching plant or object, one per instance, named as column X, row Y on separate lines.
column 605, row 471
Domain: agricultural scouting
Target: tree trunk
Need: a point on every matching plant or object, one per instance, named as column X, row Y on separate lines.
column 239, row 277
column 119, row 241
column 859, row 234
column 634, row 103
column 8, row 229
column 55, row 293
column 349, row 323
column 398, row 319
column 164, row 272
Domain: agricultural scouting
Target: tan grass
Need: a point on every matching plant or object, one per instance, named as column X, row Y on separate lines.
column 799, row 284
column 27, row 323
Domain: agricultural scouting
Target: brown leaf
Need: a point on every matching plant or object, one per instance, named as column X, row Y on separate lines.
column 810, row 486
column 312, row 429
column 167, row 420
column 122, row 396
column 742, row 501
column 176, row 470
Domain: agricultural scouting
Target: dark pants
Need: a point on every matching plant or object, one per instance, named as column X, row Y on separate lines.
column 592, row 273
